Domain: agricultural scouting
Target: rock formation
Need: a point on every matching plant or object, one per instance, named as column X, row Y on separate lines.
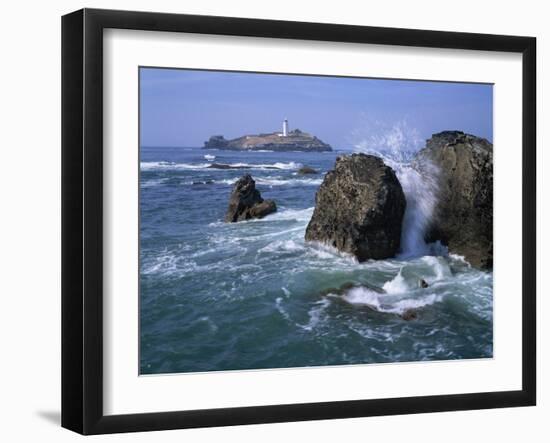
column 246, row 202
column 463, row 218
column 306, row 170
column 359, row 208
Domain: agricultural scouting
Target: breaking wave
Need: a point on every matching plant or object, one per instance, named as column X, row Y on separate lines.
column 171, row 166
column 397, row 145
column 382, row 302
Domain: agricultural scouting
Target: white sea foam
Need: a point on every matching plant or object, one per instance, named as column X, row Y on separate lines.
column 165, row 262
column 272, row 181
column 281, row 309
column 299, row 215
column 209, row 157
column 152, row 183
column 397, row 285
column 315, row 314
column 439, row 266
column 460, row 259
column 282, row 246
column 325, row 251
column 167, row 166
column 281, row 181
column 387, row 303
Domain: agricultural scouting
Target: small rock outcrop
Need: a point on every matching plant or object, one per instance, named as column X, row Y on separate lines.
column 216, row 142
column 463, row 218
column 306, row 170
column 246, row 202
column 226, row 166
column 359, row 208
column 409, row 314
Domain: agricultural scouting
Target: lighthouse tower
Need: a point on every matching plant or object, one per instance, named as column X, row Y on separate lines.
column 285, row 127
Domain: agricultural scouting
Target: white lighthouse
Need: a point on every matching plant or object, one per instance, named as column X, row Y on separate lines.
column 285, row 127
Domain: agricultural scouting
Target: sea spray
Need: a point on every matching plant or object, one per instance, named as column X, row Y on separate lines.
column 421, row 194
column 397, row 144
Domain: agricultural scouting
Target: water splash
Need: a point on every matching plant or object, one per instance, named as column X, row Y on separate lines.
column 397, row 144
column 421, row 194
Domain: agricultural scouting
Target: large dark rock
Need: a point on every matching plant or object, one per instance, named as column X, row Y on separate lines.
column 463, row 219
column 246, row 202
column 359, row 208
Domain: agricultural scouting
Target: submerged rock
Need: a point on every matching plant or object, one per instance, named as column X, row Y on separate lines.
column 409, row 314
column 463, row 218
column 346, row 287
column 359, row 208
column 306, row 170
column 246, row 202
column 226, row 166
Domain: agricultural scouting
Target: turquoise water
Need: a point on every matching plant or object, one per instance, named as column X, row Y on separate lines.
column 252, row 295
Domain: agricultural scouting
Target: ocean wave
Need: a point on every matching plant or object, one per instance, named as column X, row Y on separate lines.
column 315, row 315
column 279, row 305
column 397, row 285
column 439, row 266
column 153, row 182
column 265, row 181
column 325, row 251
column 280, row 181
column 383, row 302
column 169, row 166
column 209, row 157
column 282, row 245
column 299, row 215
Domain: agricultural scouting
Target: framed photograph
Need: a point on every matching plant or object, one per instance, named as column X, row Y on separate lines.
column 269, row 221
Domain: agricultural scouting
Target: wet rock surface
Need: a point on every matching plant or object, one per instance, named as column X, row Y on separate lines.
column 463, row 218
column 246, row 202
column 359, row 208
column 306, row 170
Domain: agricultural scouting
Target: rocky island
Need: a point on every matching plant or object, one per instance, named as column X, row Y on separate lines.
column 286, row 140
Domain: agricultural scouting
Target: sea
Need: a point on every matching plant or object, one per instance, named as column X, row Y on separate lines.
column 218, row 296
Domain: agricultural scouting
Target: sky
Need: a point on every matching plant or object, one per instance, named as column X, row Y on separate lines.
column 185, row 107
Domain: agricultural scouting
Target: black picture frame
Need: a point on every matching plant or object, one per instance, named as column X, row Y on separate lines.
column 82, row 218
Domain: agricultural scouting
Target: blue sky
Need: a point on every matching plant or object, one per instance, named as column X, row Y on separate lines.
column 186, row 107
